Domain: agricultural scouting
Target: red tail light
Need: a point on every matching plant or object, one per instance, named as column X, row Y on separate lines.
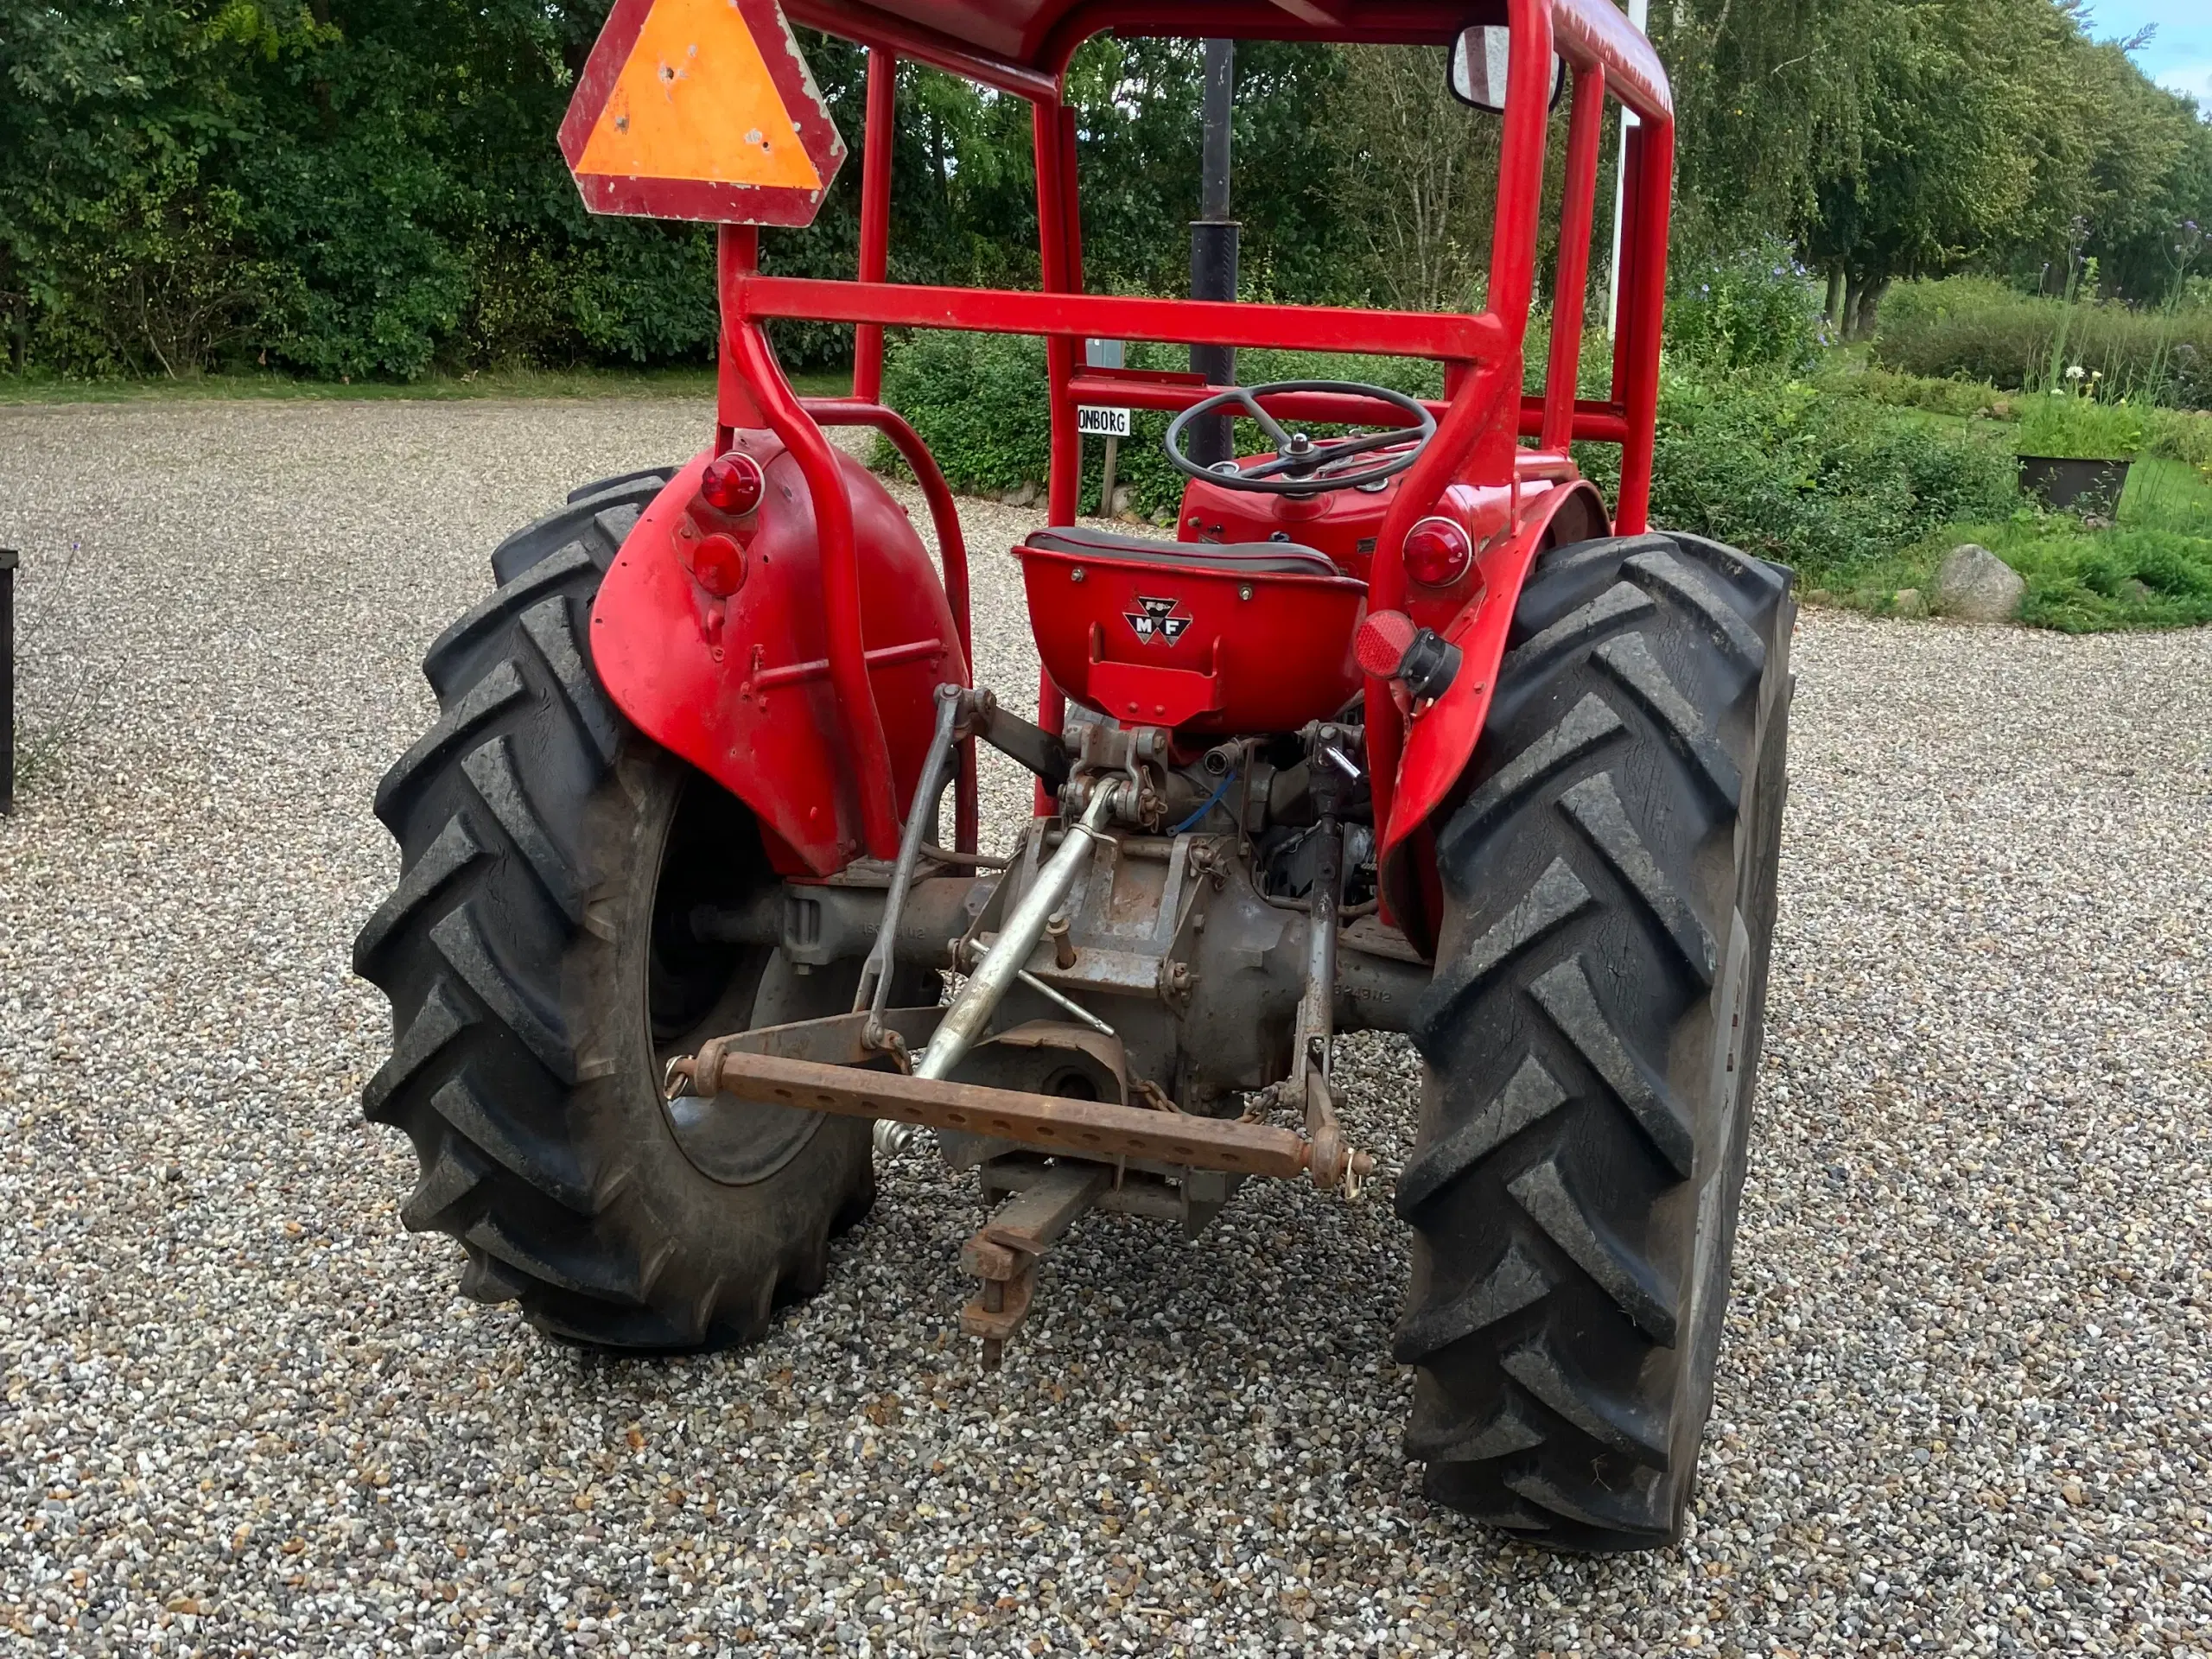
column 1438, row 553
column 733, row 483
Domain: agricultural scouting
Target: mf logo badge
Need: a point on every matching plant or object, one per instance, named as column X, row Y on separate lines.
column 1156, row 620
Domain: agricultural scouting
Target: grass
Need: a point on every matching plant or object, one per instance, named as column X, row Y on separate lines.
column 2151, row 568
column 506, row 384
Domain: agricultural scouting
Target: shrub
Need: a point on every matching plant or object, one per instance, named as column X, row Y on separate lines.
column 1757, row 309
column 2082, row 582
column 2069, row 427
column 1972, row 329
column 1829, row 484
column 1966, row 398
column 2177, row 434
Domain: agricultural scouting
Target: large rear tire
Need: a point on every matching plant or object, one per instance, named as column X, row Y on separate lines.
column 1591, row 1040
column 541, row 965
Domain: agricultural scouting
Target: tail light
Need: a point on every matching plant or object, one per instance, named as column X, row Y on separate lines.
column 733, row 483
column 1438, row 552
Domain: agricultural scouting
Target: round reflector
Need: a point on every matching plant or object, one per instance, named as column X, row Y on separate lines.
column 733, row 483
column 1383, row 641
column 718, row 564
column 1438, row 553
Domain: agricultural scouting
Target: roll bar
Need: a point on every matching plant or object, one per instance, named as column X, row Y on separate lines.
column 1482, row 354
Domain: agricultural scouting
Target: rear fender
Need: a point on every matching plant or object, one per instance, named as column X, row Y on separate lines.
column 1442, row 739
column 739, row 687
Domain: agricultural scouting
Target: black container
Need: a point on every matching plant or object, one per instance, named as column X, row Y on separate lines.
column 2084, row 486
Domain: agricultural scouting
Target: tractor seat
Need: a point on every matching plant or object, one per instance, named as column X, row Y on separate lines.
column 1232, row 558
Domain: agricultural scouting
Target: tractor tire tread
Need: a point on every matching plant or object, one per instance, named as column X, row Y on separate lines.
column 1594, row 868
column 504, row 812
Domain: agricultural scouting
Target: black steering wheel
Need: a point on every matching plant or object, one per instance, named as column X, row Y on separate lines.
column 1305, row 466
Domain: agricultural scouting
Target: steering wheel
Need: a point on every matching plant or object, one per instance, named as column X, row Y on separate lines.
column 1305, row 466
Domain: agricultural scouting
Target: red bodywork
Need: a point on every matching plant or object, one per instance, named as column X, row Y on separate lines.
column 741, row 687
column 1212, row 653
column 829, row 779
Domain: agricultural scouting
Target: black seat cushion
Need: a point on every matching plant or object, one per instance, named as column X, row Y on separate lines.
column 1246, row 558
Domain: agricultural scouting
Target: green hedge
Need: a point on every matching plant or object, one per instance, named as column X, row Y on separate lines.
column 1831, row 486
column 1970, row 328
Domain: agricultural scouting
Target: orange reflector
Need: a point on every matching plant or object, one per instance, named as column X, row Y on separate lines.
column 700, row 108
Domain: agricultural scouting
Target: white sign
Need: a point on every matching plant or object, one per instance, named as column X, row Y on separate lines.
column 1092, row 423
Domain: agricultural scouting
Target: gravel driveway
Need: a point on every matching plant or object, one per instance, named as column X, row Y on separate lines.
column 1963, row 1401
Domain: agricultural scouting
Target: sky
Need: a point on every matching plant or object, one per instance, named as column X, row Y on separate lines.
column 2179, row 55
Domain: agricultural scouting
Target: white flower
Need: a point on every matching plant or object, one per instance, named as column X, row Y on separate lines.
column 2073, row 373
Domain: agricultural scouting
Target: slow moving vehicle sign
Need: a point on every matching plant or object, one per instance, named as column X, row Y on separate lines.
column 700, row 108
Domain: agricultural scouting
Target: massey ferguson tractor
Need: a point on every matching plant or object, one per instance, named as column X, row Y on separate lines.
column 1404, row 731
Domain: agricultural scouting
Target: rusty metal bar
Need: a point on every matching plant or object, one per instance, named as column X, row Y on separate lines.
column 1088, row 1129
column 1004, row 1255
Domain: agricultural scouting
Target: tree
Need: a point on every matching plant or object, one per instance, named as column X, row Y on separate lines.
column 1416, row 178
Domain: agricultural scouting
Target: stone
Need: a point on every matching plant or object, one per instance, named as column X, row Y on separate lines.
column 1023, row 495
column 1976, row 585
column 2135, row 591
column 1909, row 602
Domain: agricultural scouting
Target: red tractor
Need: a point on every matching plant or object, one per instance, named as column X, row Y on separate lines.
column 1401, row 732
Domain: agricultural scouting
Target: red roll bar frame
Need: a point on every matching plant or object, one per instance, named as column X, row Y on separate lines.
column 1482, row 354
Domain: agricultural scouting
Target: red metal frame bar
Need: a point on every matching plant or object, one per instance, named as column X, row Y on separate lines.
column 1570, row 295
column 1445, row 337
column 1596, row 421
column 747, row 350
column 952, row 554
column 1520, row 168
column 1482, row 354
column 871, row 27
column 1512, row 280
column 875, row 214
column 1644, row 304
column 1060, row 264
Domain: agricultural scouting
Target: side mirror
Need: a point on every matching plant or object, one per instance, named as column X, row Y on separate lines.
column 1480, row 58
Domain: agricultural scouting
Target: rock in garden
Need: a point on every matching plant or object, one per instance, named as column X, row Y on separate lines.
column 1976, row 585
column 1909, row 602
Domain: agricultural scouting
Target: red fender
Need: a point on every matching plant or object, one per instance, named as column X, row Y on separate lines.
column 1444, row 734
column 739, row 687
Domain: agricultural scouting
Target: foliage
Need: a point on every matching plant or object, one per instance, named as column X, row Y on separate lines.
column 2069, row 427
column 1829, row 484
column 1414, row 182
column 2175, row 435
column 351, row 189
column 2087, row 582
column 1966, row 399
column 1755, row 309
column 1975, row 329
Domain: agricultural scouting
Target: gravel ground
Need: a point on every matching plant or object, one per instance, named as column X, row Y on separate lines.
column 1962, row 1405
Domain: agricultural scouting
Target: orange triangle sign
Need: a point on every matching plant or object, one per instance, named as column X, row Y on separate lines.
column 700, row 108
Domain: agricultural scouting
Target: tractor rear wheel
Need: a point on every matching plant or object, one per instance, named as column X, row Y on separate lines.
column 542, row 966
column 1591, row 1040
